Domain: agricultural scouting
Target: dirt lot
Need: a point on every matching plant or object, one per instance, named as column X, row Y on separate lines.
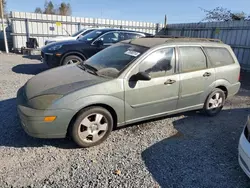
column 186, row 150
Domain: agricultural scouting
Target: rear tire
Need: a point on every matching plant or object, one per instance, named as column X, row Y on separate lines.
column 92, row 126
column 72, row 59
column 214, row 102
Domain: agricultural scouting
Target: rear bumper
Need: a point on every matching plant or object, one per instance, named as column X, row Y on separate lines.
column 234, row 89
column 244, row 154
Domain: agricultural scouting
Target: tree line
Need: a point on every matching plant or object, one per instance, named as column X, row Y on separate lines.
column 63, row 9
column 222, row 14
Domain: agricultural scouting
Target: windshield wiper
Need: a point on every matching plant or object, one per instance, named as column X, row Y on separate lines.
column 91, row 68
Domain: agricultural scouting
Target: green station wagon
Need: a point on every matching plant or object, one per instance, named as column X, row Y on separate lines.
column 128, row 82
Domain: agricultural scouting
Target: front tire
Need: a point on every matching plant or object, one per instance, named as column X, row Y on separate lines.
column 214, row 102
column 92, row 126
column 72, row 59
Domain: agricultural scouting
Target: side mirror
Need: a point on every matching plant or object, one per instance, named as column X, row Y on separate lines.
column 143, row 76
column 99, row 43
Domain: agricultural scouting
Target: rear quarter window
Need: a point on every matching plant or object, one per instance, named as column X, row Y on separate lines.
column 219, row 56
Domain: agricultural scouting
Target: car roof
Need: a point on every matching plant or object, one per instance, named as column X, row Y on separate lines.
column 158, row 40
column 111, row 29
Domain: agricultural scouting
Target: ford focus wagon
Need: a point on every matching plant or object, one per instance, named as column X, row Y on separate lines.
column 128, row 82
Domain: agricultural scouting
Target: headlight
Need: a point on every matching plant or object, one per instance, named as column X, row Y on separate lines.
column 48, row 42
column 54, row 48
column 44, row 101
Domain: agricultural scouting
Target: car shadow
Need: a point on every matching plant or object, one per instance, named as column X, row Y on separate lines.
column 13, row 135
column 31, row 69
column 203, row 152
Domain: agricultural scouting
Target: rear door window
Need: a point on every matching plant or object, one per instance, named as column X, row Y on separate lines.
column 110, row 38
column 192, row 59
column 219, row 56
column 131, row 35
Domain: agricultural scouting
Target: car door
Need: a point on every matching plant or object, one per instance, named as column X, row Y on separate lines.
column 196, row 76
column 156, row 96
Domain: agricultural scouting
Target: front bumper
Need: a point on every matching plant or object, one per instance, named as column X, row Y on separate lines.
column 50, row 59
column 32, row 120
column 244, row 154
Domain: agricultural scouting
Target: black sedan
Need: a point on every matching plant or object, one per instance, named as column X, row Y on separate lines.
column 75, row 51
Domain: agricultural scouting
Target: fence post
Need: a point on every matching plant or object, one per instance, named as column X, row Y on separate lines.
column 182, row 31
column 157, row 28
column 79, row 26
column 213, row 33
column 27, row 29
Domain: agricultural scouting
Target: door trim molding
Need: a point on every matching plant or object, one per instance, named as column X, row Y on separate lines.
column 154, row 102
column 195, row 107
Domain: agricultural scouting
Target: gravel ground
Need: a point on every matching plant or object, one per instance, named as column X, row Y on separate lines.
column 186, row 150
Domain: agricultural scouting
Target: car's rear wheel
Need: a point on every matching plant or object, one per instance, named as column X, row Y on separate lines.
column 71, row 59
column 92, row 126
column 214, row 102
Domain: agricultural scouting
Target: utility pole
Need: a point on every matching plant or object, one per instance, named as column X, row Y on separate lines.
column 4, row 32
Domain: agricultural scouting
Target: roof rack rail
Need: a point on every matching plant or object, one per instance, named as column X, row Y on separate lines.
column 200, row 39
column 163, row 36
column 184, row 38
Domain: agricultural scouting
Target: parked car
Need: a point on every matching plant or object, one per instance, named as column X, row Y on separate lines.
column 128, row 82
column 75, row 36
column 244, row 148
column 68, row 52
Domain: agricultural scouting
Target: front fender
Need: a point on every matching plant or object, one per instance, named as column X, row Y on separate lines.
column 116, row 103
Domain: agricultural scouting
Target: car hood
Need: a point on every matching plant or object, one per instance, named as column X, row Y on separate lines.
column 66, row 42
column 61, row 80
column 61, row 38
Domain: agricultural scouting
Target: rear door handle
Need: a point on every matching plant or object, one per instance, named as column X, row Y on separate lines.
column 169, row 82
column 206, row 74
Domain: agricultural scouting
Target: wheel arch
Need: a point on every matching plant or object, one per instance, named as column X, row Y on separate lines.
column 76, row 53
column 105, row 106
column 223, row 88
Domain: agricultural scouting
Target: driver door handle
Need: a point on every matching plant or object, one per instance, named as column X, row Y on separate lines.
column 169, row 82
column 206, row 74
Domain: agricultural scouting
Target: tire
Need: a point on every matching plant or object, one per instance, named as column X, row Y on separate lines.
column 72, row 59
column 88, row 130
column 214, row 102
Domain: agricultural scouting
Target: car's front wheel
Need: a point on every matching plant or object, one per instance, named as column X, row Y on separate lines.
column 215, row 102
column 92, row 126
column 71, row 59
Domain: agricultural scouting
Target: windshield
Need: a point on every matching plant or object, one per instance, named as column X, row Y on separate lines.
column 91, row 36
column 78, row 32
column 112, row 60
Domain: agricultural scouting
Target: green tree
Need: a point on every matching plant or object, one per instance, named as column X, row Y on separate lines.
column 38, row 10
column 64, row 9
column 49, row 7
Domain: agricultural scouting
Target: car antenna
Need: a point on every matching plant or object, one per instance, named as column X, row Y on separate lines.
column 66, row 31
